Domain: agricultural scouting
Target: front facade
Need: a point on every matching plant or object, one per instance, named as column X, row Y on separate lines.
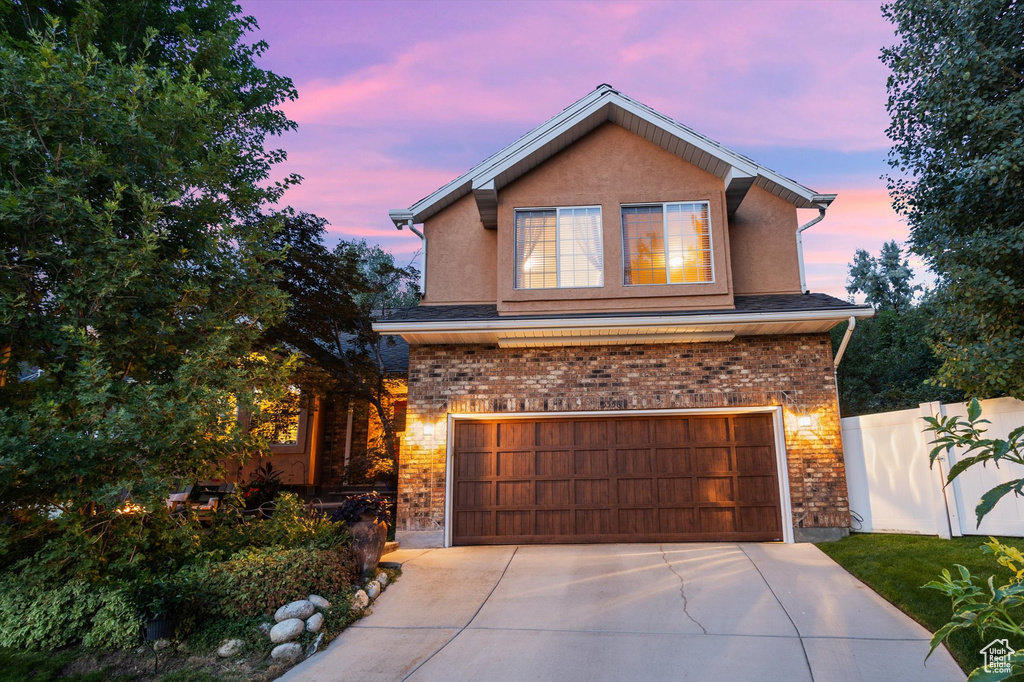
column 615, row 344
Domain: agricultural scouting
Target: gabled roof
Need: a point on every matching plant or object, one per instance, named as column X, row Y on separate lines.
column 602, row 105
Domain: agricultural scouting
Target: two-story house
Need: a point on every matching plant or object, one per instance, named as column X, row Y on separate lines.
column 616, row 344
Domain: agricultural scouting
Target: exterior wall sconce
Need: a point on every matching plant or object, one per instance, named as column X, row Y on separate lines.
column 804, row 421
column 428, row 429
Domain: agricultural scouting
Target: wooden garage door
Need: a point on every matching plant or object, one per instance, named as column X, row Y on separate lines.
column 637, row 479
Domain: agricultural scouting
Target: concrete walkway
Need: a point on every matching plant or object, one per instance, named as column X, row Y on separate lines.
column 628, row 612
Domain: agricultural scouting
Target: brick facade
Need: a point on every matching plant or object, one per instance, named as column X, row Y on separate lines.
column 794, row 372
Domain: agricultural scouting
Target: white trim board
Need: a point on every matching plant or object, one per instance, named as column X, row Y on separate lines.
column 777, row 422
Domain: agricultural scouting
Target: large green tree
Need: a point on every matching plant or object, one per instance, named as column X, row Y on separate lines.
column 885, row 280
column 956, row 98
column 135, row 276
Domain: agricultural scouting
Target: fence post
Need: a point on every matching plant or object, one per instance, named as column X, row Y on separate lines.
column 947, row 517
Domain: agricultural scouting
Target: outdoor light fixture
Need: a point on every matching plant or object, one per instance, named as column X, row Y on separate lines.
column 428, row 430
column 804, row 422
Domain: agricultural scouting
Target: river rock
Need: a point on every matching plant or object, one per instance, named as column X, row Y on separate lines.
column 287, row 652
column 301, row 609
column 230, row 647
column 319, row 602
column 360, row 600
column 372, row 589
column 315, row 622
column 382, row 578
column 287, row 630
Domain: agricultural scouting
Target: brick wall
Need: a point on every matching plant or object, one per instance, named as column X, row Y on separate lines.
column 792, row 371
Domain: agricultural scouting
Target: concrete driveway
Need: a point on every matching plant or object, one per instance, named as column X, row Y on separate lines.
column 628, row 612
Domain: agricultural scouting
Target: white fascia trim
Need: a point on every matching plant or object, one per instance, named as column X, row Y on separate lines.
column 554, row 324
column 777, row 422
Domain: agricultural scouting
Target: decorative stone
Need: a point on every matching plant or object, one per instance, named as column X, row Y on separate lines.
column 301, row 609
column 287, row 630
column 319, row 602
column 315, row 622
column 315, row 646
column 372, row 589
column 360, row 600
column 287, row 652
column 161, row 644
column 230, row 647
column 382, row 578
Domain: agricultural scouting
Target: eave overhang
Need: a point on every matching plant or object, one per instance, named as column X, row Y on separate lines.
column 603, row 105
column 612, row 330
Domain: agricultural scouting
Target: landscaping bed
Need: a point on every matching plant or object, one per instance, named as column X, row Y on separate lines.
column 896, row 566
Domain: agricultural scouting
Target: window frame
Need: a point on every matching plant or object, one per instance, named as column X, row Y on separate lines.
column 558, row 247
column 664, row 237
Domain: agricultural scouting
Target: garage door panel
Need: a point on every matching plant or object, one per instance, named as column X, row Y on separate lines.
column 594, row 522
column 552, row 493
column 646, row 479
column 478, row 436
column 473, row 465
column 715, row 489
column 675, row 491
column 592, row 463
column 634, row 461
column 553, row 522
column 709, row 430
column 717, row 520
column 636, row 491
column 516, row 434
column 591, row 432
column 713, row 459
column 554, row 463
column 514, row 464
column 514, row 494
column 679, row 521
column 555, row 434
column 513, row 523
column 755, row 458
column 473, row 494
column 632, row 432
column 638, row 521
column 593, row 491
column 673, row 460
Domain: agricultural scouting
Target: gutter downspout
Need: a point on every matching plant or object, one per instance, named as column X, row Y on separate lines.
column 423, row 238
column 846, row 338
column 348, row 436
column 800, row 247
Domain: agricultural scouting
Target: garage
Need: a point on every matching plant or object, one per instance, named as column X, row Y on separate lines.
column 621, row 479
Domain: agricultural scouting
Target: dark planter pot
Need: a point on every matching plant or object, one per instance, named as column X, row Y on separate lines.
column 368, row 538
column 161, row 627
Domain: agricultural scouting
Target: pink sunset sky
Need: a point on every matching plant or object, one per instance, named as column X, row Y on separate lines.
column 398, row 98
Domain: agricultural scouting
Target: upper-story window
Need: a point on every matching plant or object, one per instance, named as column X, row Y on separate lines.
column 667, row 244
column 559, row 248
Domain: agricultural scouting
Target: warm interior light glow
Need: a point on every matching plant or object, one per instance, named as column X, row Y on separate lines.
column 531, row 263
column 676, row 261
column 130, row 507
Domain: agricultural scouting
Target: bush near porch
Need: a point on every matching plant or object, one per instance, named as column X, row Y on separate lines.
column 896, row 566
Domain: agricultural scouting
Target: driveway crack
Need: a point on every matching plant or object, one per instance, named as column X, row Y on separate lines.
column 682, row 590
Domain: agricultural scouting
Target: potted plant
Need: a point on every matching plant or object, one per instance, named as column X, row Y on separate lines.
column 261, row 489
column 367, row 517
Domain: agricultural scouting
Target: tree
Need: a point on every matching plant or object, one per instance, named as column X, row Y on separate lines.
column 884, row 281
column 132, row 282
column 956, row 98
column 335, row 297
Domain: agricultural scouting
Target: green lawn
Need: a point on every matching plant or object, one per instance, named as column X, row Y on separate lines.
column 896, row 566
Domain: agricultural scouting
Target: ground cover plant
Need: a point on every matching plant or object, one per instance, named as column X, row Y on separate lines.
column 898, row 566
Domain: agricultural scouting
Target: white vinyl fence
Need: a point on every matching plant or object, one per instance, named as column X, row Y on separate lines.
column 894, row 491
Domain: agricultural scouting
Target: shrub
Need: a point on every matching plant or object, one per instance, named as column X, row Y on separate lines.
column 368, row 504
column 257, row 582
column 35, row 618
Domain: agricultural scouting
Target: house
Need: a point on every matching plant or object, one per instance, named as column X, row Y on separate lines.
column 616, row 344
column 323, row 446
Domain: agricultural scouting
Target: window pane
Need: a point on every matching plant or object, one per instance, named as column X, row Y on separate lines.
column 580, row 252
column 687, row 231
column 643, row 245
column 536, row 248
